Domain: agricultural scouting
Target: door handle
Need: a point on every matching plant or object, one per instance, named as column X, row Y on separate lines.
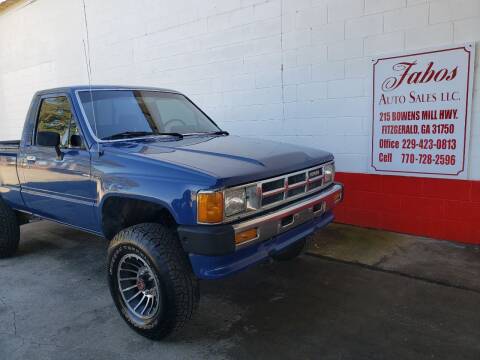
column 31, row 158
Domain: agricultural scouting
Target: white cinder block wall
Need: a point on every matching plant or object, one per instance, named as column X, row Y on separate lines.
column 294, row 70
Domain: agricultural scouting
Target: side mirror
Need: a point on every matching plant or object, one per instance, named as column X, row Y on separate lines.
column 50, row 139
column 76, row 141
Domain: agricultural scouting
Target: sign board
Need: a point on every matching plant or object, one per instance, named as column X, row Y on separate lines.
column 421, row 112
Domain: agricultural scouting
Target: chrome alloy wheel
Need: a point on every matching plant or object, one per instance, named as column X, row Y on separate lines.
column 138, row 286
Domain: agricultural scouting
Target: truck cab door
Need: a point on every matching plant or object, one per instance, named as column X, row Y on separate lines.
column 56, row 187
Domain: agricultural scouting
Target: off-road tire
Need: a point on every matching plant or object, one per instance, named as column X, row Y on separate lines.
column 9, row 231
column 291, row 252
column 160, row 248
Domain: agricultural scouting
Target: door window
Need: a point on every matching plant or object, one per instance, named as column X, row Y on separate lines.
column 56, row 116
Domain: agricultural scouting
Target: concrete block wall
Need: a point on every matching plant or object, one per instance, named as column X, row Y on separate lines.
column 297, row 71
column 291, row 70
column 40, row 47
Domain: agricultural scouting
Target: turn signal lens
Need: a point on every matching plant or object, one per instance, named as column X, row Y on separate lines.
column 210, row 207
column 245, row 236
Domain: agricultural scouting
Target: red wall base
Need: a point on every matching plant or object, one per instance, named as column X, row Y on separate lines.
column 436, row 208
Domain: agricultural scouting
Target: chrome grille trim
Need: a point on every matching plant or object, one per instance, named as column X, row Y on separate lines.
column 284, row 189
column 290, row 183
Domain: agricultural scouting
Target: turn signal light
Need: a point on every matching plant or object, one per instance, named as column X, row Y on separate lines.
column 210, row 207
column 245, row 236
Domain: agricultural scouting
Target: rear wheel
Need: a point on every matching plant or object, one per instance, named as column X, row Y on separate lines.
column 151, row 281
column 9, row 231
column 291, row 252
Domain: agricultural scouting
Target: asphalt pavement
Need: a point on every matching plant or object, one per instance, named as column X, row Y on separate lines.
column 55, row 304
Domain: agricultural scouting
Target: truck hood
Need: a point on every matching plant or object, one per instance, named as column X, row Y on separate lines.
column 232, row 160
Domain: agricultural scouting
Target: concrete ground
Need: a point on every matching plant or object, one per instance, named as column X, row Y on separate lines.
column 443, row 262
column 55, row 304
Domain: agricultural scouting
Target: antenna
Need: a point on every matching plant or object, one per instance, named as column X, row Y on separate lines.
column 86, row 49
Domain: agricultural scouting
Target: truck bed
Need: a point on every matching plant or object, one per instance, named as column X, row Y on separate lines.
column 9, row 145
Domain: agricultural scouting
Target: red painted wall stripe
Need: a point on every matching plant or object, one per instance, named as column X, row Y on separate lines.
column 437, row 208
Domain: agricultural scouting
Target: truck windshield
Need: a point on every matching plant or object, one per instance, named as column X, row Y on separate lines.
column 114, row 114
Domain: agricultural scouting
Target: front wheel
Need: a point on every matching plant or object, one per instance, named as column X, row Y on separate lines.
column 151, row 281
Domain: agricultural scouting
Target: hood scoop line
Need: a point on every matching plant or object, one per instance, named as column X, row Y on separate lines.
column 233, row 157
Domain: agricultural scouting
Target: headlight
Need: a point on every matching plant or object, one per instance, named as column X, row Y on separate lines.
column 241, row 200
column 213, row 206
column 235, row 201
column 329, row 173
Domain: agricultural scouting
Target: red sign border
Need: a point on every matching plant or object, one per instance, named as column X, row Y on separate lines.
column 468, row 51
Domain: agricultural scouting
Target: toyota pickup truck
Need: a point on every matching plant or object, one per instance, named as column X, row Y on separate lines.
column 177, row 198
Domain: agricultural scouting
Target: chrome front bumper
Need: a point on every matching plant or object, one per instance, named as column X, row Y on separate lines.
column 289, row 217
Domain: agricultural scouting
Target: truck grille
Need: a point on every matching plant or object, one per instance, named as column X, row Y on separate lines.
column 274, row 192
column 291, row 185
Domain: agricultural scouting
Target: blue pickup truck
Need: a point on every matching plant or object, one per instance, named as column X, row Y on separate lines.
column 177, row 198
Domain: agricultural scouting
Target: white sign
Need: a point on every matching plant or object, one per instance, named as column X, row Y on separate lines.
column 421, row 110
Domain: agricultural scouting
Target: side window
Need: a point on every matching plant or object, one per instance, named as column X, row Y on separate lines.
column 56, row 115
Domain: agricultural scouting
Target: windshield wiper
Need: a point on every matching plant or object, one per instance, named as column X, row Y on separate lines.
column 180, row 136
column 129, row 134
column 226, row 133
column 221, row 132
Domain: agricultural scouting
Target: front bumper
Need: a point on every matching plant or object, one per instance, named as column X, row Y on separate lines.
column 212, row 249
